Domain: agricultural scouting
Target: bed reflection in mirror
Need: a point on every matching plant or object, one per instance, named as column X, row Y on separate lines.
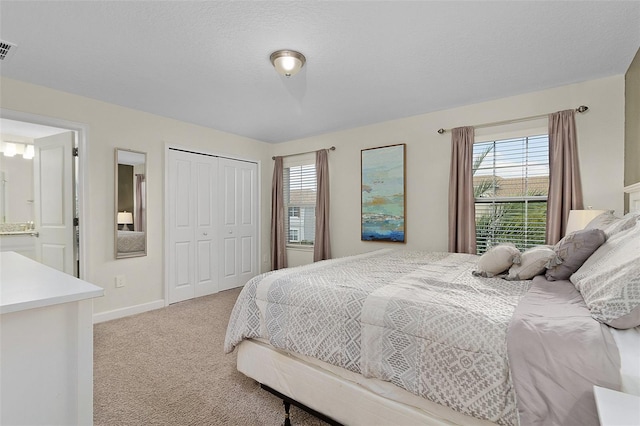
column 130, row 214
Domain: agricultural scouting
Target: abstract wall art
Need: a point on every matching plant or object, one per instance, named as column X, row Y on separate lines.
column 383, row 194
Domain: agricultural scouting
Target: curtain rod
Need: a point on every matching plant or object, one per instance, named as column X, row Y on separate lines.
column 333, row 148
column 581, row 108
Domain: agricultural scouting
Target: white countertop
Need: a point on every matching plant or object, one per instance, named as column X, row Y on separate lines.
column 27, row 284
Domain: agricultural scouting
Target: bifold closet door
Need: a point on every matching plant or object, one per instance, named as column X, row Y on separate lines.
column 193, row 249
column 239, row 213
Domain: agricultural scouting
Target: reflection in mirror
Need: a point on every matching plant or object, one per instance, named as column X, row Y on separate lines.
column 130, row 202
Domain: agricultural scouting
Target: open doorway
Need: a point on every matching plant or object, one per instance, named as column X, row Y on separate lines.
column 39, row 197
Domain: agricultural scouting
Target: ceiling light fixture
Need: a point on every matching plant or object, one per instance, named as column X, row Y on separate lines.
column 287, row 62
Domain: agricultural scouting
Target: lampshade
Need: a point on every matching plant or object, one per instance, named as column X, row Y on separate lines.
column 578, row 219
column 125, row 218
column 287, row 62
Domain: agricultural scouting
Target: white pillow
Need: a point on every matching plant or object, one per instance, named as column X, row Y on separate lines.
column 497, row 260
column 533, row 262
column 609, row 280
column 612, row 224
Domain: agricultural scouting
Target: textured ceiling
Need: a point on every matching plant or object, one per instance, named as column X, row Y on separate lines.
column 208, row 62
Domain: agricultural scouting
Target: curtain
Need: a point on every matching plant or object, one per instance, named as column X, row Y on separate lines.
column 565, row 188
column 322, row 243
column 138, row 217
column 462, row 212
column 278, row 234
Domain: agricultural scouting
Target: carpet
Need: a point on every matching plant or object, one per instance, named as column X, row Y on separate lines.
column 167, row 367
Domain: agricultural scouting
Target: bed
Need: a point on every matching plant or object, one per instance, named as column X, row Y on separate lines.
column 130, row 241
column 410, row 337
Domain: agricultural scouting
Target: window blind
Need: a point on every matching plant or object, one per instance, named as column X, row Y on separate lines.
column 511, row 184
column 300, row 187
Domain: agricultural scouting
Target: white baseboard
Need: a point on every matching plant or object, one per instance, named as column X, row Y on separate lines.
column 125, row 312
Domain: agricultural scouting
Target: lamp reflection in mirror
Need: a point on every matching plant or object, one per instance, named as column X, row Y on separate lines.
column 578, row 219
column 125, row 218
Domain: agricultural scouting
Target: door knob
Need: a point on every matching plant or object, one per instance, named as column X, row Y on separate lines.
column 205, row 234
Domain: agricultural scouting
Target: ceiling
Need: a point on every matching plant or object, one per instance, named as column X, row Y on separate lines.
column 208, row 62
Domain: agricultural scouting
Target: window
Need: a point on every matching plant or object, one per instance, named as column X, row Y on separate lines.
column 511, row 184
column 299, row 182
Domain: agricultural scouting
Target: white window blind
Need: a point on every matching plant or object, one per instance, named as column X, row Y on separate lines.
column 299, row 182
column 511, row 184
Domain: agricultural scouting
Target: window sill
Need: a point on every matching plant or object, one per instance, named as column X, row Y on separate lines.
column 299, row 248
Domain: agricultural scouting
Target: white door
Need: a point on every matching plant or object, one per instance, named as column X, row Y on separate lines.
column 53, row 169
column 239, row 230
column 192, row 232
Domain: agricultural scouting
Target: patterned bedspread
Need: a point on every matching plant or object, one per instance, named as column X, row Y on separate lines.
column 420, row 320
column 130, row 241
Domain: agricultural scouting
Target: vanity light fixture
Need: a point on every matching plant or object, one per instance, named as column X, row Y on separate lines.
column 10, row 149
column 28, row 153
column 287, row 62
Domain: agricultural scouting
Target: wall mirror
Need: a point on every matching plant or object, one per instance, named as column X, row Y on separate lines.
column 131, row 203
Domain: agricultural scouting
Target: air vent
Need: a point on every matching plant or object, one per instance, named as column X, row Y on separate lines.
column 6, row 50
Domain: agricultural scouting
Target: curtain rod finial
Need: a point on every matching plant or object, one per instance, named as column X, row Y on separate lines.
column 582, row 108
column 441, row 131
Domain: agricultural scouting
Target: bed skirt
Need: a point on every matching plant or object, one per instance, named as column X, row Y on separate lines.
column 332, row 390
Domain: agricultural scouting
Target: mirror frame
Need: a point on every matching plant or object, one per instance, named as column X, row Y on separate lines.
column 123, row 255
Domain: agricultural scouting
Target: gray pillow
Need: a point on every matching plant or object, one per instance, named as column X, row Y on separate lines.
column 497, row 260
column 609, row 281
column 573, row 250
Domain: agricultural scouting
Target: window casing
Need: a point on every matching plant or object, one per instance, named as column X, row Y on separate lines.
column 299, row 195
column 511, row 184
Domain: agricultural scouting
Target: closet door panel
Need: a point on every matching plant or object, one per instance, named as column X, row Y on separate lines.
column 228, row 207
column 248, row 221
column 239, row 185
column 205, row 233
column 182, row 227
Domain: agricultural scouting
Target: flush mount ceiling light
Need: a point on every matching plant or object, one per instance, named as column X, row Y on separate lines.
column 287, row 62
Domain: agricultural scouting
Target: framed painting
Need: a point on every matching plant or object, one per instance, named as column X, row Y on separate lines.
column 383, row 202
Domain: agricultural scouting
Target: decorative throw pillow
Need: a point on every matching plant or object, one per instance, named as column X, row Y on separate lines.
column 572, row 251
column 497, row 260
column 609, row 281
column 533, row 262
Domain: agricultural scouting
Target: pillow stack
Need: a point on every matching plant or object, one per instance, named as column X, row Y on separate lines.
column 609, row 280
column 602, row 261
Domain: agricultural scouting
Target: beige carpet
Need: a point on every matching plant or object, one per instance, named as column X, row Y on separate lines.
column 167, row 367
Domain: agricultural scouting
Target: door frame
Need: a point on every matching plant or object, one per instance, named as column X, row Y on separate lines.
column 165, row 218
column 82, row 189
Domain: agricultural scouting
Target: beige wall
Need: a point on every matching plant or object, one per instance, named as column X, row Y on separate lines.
column 600, row 132
column 111, row 126
column 601, row 145
column 632, row 123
